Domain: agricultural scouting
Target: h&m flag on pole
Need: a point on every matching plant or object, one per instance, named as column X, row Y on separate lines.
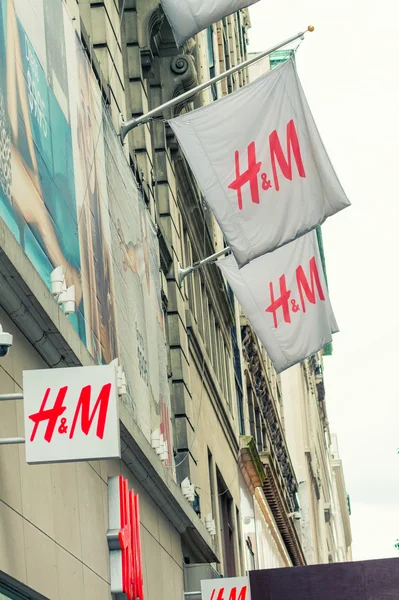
column 284, row 296
column 260, row 163
column 188, row 17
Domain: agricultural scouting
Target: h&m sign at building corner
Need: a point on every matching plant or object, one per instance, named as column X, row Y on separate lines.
column 71, row 414
column 230, row 588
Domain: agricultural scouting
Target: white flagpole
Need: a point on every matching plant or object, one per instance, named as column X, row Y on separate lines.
column 129, row 125
column 182, row 273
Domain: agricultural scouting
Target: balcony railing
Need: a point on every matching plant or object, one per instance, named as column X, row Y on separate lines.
column 275, row 444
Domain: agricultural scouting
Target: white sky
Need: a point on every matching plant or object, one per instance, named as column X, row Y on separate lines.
column 349, row 68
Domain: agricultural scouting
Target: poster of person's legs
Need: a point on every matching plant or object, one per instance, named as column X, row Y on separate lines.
column 92, row 203
column 37, row 184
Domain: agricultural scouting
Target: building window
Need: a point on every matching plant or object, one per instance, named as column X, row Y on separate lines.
column 211, row 474
column 187, row 261
column 210, row 331
column 237, row 372
column 259, row 440
column 205, row 312
column 198, row 303
column 264, row 437
column 251, row 412
column 240, row 410
column 240, row 539
column 5, row 594
column 226, row 528
column 250, row 555
column 211, row 59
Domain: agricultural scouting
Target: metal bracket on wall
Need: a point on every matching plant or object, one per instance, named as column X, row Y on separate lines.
column 14, row 440
column 182, row 273
column 156, row 112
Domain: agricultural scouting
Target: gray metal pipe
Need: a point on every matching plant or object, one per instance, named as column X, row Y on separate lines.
column 14, row 440
column 182, row 273
column 5, row 397
column 129, row 125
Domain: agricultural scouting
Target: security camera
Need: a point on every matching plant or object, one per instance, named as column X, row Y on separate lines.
column 5, row 342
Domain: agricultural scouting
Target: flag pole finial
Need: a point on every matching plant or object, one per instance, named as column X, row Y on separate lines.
column 311, row 28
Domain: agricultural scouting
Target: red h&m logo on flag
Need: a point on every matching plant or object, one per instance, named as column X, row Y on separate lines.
column 313, row 292
column 124, row 541
column 71, row 414
column 277, row 157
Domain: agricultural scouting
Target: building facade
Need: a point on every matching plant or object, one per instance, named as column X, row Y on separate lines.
column 324, row 508
column 120, row 220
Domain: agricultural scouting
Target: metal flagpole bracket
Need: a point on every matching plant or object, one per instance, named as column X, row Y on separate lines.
column 182, row 273
column 6, row 397
column 14, row 440
column 129, row 125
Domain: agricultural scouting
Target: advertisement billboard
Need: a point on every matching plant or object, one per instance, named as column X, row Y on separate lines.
column 69, row 197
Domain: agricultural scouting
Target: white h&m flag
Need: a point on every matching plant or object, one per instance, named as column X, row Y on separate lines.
column 261, row 164
column 284, row 296
column 189, row 17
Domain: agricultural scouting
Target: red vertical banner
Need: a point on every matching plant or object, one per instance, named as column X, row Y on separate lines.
column 125, row 554
column 137, row 546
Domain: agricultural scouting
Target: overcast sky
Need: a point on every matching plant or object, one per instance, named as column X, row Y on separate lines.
column 349, row 69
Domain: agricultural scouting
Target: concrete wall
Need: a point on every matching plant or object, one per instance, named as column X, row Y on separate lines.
column 54, row 518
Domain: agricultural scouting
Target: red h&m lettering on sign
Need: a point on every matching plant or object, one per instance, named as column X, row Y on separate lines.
column 51, row 415
column 124, row 541
column 235, row 594
column 129, row 539
column 229, row 588
column 303, row 288
column 83, row 406
column 71, row 414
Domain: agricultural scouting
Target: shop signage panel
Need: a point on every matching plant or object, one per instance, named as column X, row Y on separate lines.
column 230, row 588
column 71, row 414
